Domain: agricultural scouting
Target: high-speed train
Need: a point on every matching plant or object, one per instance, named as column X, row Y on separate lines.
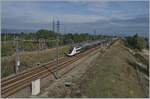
column 84, row 46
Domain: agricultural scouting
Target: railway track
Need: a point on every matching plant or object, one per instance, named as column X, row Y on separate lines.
column 13, row 84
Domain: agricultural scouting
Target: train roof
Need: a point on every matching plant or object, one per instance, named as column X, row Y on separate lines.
column 88, row 43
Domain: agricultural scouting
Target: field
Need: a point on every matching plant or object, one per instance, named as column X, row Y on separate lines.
column 30, row 59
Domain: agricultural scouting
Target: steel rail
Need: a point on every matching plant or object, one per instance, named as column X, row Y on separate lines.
column 26, row 73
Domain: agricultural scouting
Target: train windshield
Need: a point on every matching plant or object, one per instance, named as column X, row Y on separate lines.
column 70, row 50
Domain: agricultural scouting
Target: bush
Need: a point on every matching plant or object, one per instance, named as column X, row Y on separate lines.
column 141, row 44
column 136, row 42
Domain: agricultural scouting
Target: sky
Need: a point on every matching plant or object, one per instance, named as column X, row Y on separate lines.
column 106, row 17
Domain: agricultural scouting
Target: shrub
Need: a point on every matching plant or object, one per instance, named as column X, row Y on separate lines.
column 136, row 42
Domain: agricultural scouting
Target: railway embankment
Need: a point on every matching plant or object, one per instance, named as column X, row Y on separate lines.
column 117, row 73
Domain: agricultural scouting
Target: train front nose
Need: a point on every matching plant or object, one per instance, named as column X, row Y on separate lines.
column 68, row 54
column 71, row 52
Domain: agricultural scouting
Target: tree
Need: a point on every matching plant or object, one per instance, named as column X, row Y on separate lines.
column 45, row 34
column 136, row 42
column 141, row 44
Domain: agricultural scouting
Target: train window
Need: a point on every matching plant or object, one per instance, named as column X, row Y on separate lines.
column 70, row 50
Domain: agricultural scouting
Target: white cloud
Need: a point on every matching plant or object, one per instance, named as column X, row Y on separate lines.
column 31, row 13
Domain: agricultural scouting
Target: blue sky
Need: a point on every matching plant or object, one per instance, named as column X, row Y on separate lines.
column 106, row 17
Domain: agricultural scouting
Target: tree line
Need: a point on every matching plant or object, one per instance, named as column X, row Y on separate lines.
column 50, row 35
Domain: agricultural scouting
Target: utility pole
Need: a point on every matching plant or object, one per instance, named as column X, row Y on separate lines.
column 95, row 34
column 57, row 50
column 53, row 26
column 14, row 39
column 17, row 56
column 57, row 47
column 5, row 37
column 58, row 27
